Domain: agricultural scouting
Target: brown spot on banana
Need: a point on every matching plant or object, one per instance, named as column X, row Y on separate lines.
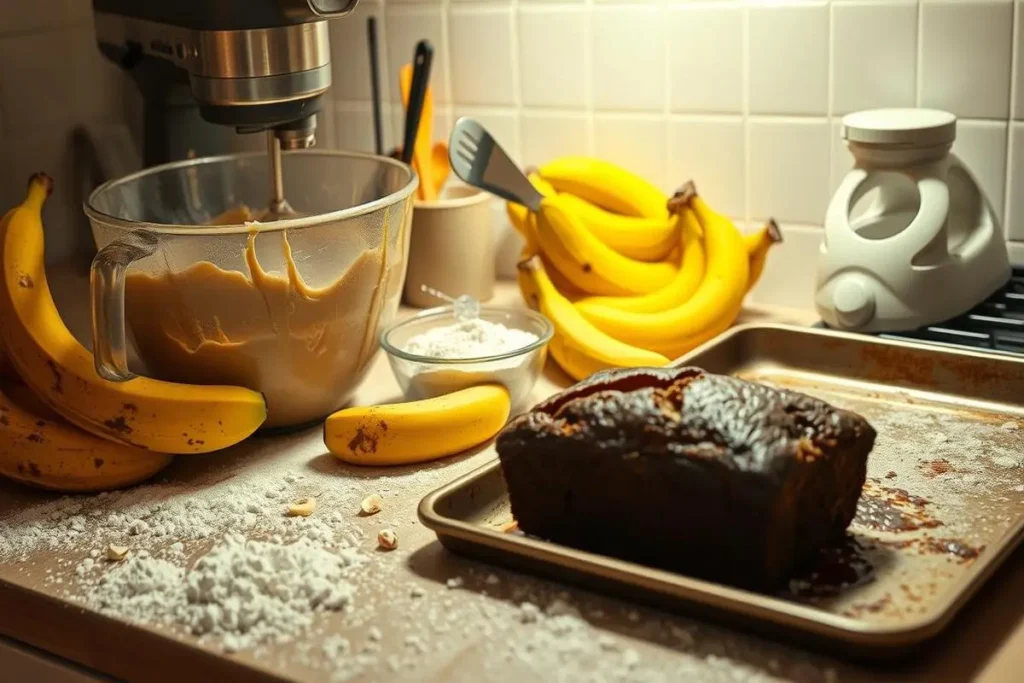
column 34, row 469
column 58, row 378
column 98, row 462
column 35, row 438
column 587, row 268
column 118, row 425
column 25, row 281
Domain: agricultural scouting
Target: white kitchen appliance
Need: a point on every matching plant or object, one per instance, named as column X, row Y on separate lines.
column 910, row 238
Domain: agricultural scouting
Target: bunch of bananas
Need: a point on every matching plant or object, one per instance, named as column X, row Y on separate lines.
column 628, row 276
column 62, row 426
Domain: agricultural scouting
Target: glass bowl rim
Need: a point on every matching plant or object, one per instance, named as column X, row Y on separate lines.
column 547, row 332
column 395, row 197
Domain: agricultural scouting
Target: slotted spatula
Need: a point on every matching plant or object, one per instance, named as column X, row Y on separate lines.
column 479, row 160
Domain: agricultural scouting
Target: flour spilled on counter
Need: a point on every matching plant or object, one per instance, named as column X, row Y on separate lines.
column 248, row 592
column 346, row 611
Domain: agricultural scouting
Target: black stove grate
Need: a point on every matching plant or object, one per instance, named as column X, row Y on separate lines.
column 996, row 324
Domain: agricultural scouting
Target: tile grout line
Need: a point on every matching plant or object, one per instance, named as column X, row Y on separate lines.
column 517, row 78
column 919, row 56
column 830, row 88
column 1008, row 156
column 747, row 184
column 590, row 85
column 666, row 108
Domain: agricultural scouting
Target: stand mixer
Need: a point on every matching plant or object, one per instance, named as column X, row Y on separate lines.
column 205, row 67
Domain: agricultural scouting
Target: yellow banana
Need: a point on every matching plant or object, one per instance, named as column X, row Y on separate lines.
column 758, row 243
column 643, row 239
column 688, row 278
column 576, row 333
column 522, row 218
column 41, row 449
column 405, row 433
column 587, row 262
column 158, row 416
column 607, row 185
column 711, row 309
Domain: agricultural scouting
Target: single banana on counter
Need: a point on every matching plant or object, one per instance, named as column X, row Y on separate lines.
column 39, row 448
column 159, row 416
column 417, row 431
column 607, row 185
column 576, row 333
column 758, row 243
column 711, row 309
column 688, row 278
column 587, row 262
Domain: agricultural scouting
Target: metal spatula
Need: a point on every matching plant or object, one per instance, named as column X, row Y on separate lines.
column 479, row 160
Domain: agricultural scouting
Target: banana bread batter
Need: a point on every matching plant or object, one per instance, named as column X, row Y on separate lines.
column 305, row 349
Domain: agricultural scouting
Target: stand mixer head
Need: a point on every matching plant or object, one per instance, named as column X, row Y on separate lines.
column 205, row 67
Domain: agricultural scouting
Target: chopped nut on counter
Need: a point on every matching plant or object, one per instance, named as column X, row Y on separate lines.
column 510, row 527
column 387, row 539
column 371, row 505
column 303, row 507
column 116, row 553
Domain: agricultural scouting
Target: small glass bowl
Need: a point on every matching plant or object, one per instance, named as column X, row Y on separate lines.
column 425, row 377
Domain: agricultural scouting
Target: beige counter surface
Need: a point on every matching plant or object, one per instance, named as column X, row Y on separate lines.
column 420, row 613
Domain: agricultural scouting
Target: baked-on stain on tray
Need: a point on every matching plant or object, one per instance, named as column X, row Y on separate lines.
column 944, row 503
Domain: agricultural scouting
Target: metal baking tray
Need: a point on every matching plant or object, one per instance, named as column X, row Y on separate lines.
column 942, row 508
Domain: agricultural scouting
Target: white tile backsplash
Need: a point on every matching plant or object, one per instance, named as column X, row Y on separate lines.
column 788, row 59
column 482, row 54
column 635, row 142
column 874, row 55
column 629, row 66
column 703, row 76
column 981, row 145
column 350, row 46
column 786, row 178
column 548, row 135
column 965, row 57
column 743, row 96
column 1015, row 206
column 711, row 152
column 553, row 64
column 406, row 25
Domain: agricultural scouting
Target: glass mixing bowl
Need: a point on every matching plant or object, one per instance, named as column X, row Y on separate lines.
column 426, row 377
column 291, row 308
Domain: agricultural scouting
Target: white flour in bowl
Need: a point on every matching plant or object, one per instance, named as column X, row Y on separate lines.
column 474, row 338
column 466, row 339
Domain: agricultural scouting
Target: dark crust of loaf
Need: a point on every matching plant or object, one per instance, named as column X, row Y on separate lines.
column 709, row 475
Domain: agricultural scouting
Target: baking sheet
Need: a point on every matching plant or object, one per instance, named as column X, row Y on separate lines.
column 943, row 505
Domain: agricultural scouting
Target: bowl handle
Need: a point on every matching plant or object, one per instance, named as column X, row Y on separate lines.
column 106, row 285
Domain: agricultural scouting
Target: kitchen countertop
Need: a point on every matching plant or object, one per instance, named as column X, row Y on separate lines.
column 471, row 630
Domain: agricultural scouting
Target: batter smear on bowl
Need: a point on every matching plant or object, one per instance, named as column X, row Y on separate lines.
column 304, row 348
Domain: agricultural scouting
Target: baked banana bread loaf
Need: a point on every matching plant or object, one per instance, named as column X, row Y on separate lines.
column 708, row 475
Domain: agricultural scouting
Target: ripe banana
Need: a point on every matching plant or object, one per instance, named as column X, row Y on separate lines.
column 41, row 449
column 758, row 243
column 711, row 309
column 607, row 185
column 576, row 333
column 158, row 416
column 418, row 431
column 688, row 278
column 587, row 262
column 643, row 239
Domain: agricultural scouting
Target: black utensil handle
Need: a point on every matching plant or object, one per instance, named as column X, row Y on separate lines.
column 417, row 92
column 371, row 39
